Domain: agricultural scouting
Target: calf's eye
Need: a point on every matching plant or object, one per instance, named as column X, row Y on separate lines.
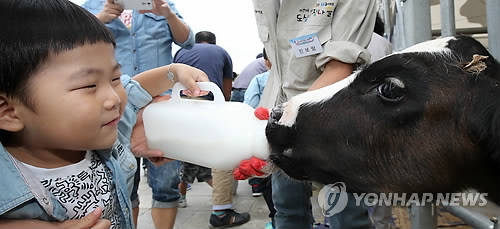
column 391, row 90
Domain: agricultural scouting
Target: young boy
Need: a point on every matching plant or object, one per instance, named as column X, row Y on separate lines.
column 65, row 122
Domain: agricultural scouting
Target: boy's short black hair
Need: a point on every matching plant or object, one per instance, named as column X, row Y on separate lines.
column 205, row 36
column 33, row 29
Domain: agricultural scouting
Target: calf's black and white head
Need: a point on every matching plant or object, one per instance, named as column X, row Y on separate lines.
column 426, row 119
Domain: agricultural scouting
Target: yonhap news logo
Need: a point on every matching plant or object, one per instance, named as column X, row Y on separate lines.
column 333, row 198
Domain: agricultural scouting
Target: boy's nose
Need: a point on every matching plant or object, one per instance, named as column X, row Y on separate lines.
column 112, row 100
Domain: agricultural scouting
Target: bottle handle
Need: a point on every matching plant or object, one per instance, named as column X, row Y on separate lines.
column 205, row 86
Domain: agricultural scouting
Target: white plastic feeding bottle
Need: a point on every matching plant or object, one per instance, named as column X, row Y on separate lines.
column 215, row 134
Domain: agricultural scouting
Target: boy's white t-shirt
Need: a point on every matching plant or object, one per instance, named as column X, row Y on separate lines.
column 82, row 187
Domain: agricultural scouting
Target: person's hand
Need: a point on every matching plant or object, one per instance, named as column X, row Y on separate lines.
column 138, row 141
column 110, row 11
column 188, row 76
column 160, row 8
column 92, row 220
column 254, row 166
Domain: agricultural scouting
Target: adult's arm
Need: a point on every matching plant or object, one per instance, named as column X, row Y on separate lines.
column 333, row 71
column 352, row 29
column 227, row 80
column 227, row 86
column 180, row 31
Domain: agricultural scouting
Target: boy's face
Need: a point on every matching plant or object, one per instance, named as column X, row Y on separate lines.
column 78, row 100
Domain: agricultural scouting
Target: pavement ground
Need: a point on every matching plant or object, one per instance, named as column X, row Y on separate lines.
column 199, row 205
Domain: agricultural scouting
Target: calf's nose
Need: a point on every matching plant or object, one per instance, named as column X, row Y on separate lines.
column 276, row 114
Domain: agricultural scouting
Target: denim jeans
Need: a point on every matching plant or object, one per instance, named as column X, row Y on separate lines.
column 238, row 95
column 164, row 181
column 292, row 202
column 352, row 217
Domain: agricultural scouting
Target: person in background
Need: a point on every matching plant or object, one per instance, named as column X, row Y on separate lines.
column 257, row 84
column 144, row 41
column 215, row 61
column 252, row 98
column 217, row 64
column 379, row 46
column 240, row 84
column 210, row 58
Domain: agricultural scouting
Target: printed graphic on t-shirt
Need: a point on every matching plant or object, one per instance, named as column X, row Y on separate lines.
column 86, row 190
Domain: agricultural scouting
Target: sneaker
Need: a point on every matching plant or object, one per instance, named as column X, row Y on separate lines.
column 255, row 190
column 182, row 202
column 269, row 225
column 188, row 187
column 230, row 218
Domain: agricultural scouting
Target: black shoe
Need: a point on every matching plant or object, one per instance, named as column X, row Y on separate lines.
column 230, row 218
column 256, row 190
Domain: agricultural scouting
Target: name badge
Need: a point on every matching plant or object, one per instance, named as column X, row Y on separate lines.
column 306, row 45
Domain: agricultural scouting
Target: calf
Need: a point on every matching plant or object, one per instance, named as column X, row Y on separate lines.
column 424, row 120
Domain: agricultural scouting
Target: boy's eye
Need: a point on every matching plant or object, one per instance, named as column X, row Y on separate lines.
column 116, row 81
column 90, row 86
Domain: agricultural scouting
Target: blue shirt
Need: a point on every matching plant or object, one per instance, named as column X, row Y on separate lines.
column 255, row 89
column 147, row 45
column 24, row 197
column 211, row 59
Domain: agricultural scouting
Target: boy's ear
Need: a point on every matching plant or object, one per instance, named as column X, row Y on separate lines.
column 9, row 120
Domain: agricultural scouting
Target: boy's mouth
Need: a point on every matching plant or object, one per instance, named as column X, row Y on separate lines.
column 113, row 122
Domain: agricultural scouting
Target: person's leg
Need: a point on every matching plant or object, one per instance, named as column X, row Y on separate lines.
column 256, row 184
column 204, row 175
column 237, row 95
column 222, row 201
column 164, row 181
column 292, row 201
column 382, row 217
column 164, row 217
column 222, row 186
column 188, row 174
column 267, row 192
column 352, row 217
column 134, row 197
column 183, row 188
